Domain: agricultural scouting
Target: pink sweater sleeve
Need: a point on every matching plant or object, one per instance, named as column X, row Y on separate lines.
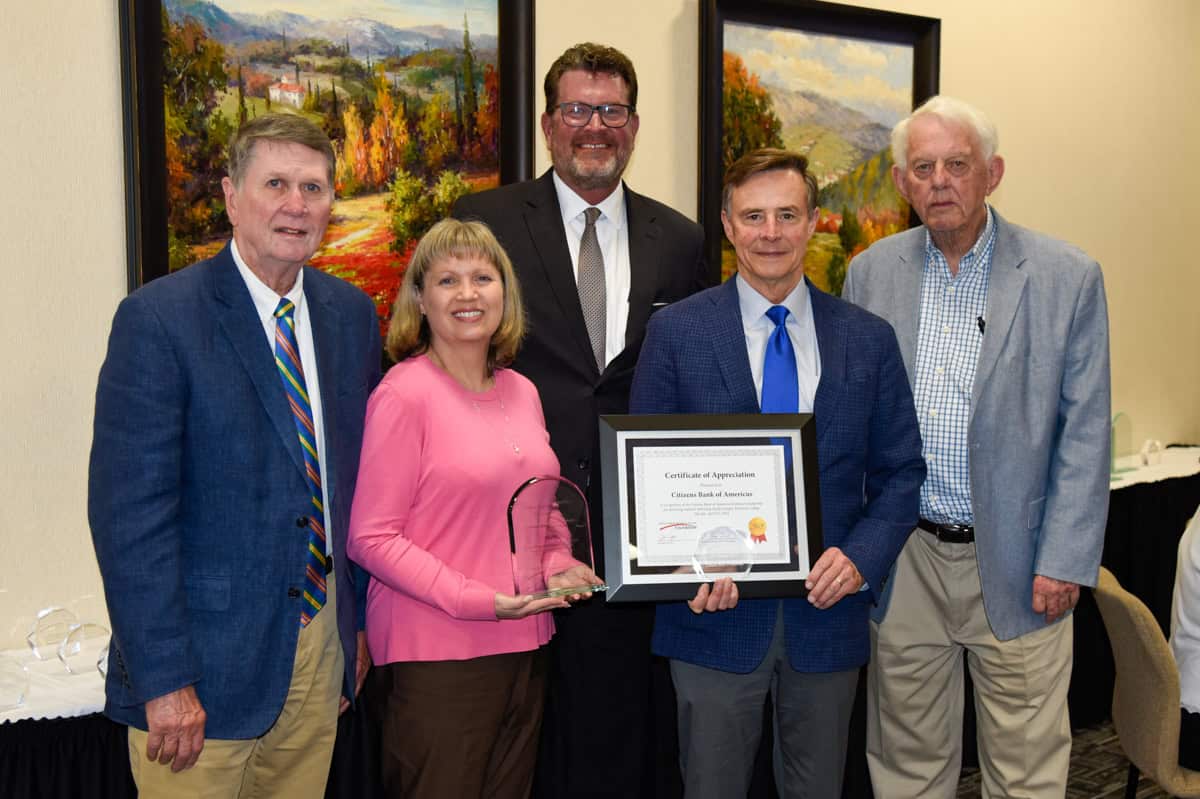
column 389, row 472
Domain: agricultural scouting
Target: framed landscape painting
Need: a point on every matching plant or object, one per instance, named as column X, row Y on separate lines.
column 424, row 101
column 829, row 81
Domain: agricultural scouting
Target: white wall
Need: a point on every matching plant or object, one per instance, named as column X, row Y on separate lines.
column 63, row 265
column 1098, row 122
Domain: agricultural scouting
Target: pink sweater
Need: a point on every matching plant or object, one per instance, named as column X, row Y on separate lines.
column 439, row 465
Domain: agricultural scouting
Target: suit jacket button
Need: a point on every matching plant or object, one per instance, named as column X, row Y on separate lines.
column 293, row 593
column 583, row 464
column 302, row 521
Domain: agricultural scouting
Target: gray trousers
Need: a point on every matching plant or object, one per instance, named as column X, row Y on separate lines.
column 720, row 724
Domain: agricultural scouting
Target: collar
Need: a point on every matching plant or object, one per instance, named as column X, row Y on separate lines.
column 264, row 296
column 572, row 205
column 969, row 258
column 754, row 306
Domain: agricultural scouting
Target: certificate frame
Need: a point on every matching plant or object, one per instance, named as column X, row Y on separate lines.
column 627, row 443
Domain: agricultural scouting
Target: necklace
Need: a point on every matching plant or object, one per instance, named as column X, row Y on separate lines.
column 487, row 382
column 506, row 433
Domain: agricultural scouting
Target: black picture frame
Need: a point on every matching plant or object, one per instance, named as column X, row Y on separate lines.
column 621, row 434
column 923, row 34
column 144, row 137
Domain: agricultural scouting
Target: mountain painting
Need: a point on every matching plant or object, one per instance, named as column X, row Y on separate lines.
column 835, row 99
column 407, row 91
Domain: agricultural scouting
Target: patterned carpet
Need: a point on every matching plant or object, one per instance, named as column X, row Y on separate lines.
column 1098, row 769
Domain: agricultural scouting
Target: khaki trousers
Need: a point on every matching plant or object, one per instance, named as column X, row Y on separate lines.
column 915, row 686
column 291, row 758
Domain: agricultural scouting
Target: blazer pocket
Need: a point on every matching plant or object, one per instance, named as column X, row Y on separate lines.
column 1036, row 509
column 207, row 592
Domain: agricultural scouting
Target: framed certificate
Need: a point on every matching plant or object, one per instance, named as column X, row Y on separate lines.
column 689, row 498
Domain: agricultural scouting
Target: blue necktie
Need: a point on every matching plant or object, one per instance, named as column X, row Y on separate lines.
column 287, row 358
column 780, row 385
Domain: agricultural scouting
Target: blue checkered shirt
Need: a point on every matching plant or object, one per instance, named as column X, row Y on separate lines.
column 947, row 353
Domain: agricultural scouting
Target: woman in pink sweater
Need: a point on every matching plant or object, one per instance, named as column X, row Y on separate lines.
column 450, row 434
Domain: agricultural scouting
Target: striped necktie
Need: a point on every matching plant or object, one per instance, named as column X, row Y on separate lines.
column 287, row 358
column 780, row 383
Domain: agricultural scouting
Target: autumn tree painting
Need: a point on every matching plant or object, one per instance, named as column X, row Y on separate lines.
column 412, row 106
column 833, row 99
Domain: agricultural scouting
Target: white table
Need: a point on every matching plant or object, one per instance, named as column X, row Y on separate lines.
column 1175, row 462
column 53, row 691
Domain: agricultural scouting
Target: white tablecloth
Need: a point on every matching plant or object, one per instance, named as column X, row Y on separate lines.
column 53, row 691
column 1176, row 462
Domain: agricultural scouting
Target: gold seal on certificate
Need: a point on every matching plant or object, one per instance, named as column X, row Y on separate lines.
column 549, row 533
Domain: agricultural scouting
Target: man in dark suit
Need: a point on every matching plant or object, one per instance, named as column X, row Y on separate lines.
column 229, row 418
column 591, row 279
column 770, row 334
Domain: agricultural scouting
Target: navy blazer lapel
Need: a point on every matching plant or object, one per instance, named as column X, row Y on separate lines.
column 543, row 218
column 240, row 323
column 1006, row 286
column 729, row 347
column 325, row 318
column 831, row 344
column 644, row 243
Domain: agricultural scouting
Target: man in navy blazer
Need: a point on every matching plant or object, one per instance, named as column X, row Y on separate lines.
column 199, row 501
column 1004, row 334
column 706, row 354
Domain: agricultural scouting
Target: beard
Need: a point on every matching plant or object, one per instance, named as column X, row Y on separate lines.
column 585, row 171
column 591, row 175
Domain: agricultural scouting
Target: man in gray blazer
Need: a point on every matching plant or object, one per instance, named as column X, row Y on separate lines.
column 1004, row 333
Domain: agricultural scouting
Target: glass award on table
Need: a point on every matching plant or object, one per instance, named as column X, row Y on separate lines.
column 80, row 651
column 549, row 534
column 50, row 629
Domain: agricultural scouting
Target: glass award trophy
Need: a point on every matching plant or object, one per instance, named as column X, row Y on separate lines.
column 80, row 650
column 549, row 533
column 50, row 629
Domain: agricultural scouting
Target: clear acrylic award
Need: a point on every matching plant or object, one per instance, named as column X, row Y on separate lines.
column 549, row 533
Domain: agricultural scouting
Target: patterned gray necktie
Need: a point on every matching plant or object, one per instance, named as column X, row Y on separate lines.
column 590, row 282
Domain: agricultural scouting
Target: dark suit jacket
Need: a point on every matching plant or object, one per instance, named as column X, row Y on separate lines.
column 666, row 258
column 869, row 462
column 196, row 489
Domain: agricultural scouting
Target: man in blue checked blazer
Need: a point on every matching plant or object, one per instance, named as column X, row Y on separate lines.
column 226, row 662
column 1004, row 334
column 708, row 354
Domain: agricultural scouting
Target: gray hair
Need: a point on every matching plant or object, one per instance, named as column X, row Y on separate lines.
column 950, row 110
column 290, row 128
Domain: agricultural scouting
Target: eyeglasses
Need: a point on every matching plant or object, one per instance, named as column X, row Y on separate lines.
column 956, row 166
column 612, row 115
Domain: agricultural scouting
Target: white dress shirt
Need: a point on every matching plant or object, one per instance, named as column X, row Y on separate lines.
column 265, row 302
column 799, row 326
column 612, row 233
